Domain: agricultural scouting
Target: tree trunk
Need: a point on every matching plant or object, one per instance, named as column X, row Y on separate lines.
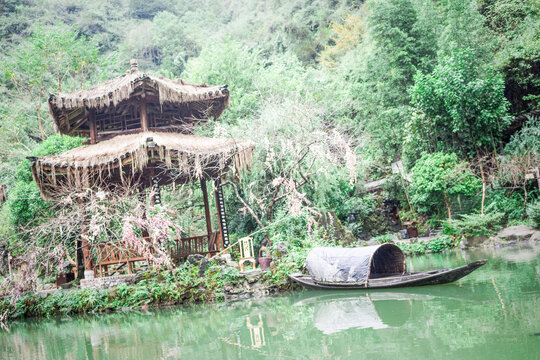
column 524, row 200
column 483, row 187
column 447, row 203
column 40, row 123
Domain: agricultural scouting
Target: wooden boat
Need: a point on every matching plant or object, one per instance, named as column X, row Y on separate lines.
column 372, row 267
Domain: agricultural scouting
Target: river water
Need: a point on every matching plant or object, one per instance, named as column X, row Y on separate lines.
column 493, row 313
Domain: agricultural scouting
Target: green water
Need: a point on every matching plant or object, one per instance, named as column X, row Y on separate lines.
column 494, row 313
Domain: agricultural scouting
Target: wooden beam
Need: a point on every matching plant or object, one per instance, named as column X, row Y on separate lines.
column 206, row 208
column 93, row 126
column 144, row 115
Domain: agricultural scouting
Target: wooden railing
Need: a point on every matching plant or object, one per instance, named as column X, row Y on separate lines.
column 203, row 245
column 115, row 253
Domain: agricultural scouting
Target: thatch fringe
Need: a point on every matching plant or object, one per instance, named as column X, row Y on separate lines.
column 191, row 157
column 111, row 93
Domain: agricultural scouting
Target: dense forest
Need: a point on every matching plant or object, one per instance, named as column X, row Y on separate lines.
column 332, row 92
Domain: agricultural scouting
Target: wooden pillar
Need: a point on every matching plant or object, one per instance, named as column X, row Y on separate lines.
column 222, row 219
column 87, row 257
column 144, row 115
column 153, row 183
column 93, row 126
column 142, row 199
column 206, row 208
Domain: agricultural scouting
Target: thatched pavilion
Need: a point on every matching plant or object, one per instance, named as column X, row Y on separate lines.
column 141, row 136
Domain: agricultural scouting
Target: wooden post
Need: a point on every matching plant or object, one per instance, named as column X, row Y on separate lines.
column 144, row 115
column 87, row 257
column 93, row 126
column 220, row 240
column 206, row 209
column 222, row 219
column 156, row 198
column 86, row 248
column 155, row 191
column 142, row 199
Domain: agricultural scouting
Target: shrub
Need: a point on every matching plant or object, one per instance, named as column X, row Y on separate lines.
column 438, row 178
column 508, row 202
column 440, row 243
column 418, row 248
column 381, row 239
column 534, row 214
column 474, row 224
column 232, row 275
column 527, row 139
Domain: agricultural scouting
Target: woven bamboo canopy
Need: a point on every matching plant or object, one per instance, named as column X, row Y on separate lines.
column 171, row 104
column 354, row 265
column 172, row 157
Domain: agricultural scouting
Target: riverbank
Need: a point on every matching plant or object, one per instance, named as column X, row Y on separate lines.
column 509, row 236
column 201, row 281
column 196, row 281
column 496, row 308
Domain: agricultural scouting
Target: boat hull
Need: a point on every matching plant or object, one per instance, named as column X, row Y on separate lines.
column 434, row 277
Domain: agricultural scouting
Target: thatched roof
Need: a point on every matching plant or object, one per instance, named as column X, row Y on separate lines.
column 125, row 159
column 70, row 110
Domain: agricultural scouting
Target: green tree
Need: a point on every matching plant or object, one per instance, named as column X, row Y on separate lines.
column 147, row 9
column 437, row 178
column 176, row 48
column 457, row 109
column 11, row 20
column 24, row 202
column 395, row 45
column 526, row 140
column 516, row 24
column 43, row 62
column 464, row 28
column 233, row 64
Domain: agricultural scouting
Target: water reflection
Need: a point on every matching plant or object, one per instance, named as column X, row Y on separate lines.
column 256, row 332
column 492, row 313
column 360, row 310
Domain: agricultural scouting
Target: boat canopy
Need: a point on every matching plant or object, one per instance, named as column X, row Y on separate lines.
column 354, row 265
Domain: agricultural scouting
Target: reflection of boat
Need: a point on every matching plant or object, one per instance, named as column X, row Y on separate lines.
column 371, row 267
column 356, row 312
column 334, row 314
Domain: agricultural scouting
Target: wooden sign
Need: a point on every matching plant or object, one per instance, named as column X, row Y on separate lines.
column 221, row 213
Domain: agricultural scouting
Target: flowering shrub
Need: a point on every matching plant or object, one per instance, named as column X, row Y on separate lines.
column 159, row 227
